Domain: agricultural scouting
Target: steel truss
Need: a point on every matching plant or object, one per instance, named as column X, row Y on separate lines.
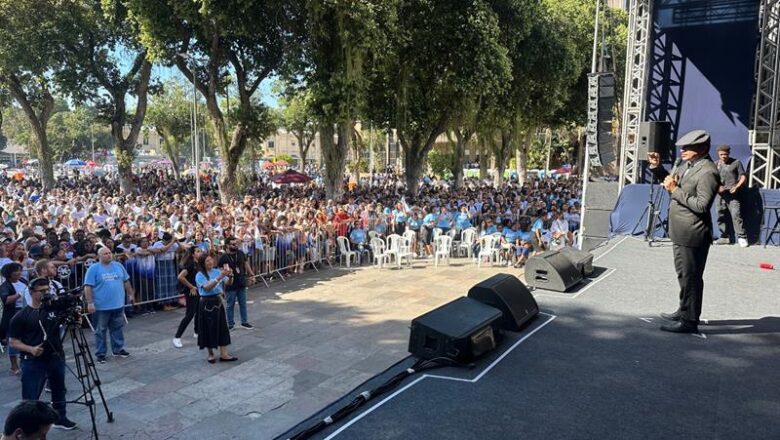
column 639, row 33
column 765, row 136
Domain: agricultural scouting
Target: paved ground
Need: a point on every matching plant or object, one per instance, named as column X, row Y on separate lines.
column 594, row 364
column 317, row 336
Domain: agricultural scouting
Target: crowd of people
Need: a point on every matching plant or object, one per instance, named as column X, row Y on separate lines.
column 160, row 247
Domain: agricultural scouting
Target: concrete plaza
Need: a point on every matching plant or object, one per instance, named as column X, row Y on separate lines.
column 317, row 336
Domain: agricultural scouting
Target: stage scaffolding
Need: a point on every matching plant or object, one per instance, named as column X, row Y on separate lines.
column 765, row 138
column 764, row 170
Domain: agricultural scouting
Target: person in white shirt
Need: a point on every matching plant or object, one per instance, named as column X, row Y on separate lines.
column 560, row 230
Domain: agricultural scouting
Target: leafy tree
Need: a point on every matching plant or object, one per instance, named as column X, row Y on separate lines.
column 170, row 114
column 341, row 41
column 441, row 163
column 298, row 118
column 444, row 54
column 207, row 40
column 544, row 67
column 97, row 33
column 72, row 131
column 30, row 65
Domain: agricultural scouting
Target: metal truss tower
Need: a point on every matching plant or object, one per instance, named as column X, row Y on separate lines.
column 765, row 136
column 640, row 23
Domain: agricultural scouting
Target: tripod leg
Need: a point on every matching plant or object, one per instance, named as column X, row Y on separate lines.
column 92, row 373
column 81, row 371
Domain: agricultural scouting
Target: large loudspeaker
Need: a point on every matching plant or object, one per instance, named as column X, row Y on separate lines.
column 601, row 99
column 551, row 270
column 655, row 137
column 508, row 294
column 462, row 330
column 582, row 261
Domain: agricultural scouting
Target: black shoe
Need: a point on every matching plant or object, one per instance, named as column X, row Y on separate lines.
column 247, row 325
column 122, row 353
column 231, row 327
column 671, row 316
column 680, row 327
column 65, row 424
column 100, row 359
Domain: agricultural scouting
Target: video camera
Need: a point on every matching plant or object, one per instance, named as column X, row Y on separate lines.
column 66, row 307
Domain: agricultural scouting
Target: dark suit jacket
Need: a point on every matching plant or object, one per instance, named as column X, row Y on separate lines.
column 690, row 222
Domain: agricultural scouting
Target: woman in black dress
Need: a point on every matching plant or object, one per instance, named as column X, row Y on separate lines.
column 188, row 288
column 212, row 321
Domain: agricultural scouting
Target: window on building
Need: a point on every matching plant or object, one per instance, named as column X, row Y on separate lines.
column 271, row 145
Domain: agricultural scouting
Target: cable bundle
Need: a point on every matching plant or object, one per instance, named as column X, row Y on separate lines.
column 418, row 367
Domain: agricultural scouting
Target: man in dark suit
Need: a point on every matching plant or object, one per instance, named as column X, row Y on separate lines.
column 692, row 185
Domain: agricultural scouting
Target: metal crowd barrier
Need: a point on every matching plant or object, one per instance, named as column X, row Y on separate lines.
column 155, row 277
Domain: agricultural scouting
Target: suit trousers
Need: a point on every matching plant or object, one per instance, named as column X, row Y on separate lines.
column 689, row 262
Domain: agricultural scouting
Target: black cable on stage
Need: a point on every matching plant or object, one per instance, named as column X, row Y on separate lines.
column 418, row 367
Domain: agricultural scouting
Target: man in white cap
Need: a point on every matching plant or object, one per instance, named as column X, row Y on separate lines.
column 692, row 186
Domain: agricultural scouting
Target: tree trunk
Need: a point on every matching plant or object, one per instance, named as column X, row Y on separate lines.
column 580, row 150
column 228, row 188
column 303, row 149
column 38, row 123
column 414, row 169
column 502, row 154
column 483, row 159
column 522, row 156
column 460, row 153
column 335, row 156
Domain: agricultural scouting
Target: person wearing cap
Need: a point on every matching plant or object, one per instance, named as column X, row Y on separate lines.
column 692, row 186
column 732, row 177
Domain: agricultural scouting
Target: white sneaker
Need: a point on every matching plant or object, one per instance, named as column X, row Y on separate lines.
column 742, row 242
column 177, row 343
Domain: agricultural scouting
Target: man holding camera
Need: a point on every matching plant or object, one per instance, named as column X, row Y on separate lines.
column 105, row 287
column 36, row 334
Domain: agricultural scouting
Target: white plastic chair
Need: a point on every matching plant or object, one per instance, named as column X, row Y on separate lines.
column 393, row 245
column 443, row 249
column 487, row 248
column 405, row 251
column 467, row 238
column 412, row 237
column 345, row 251
column 373, row 234
column 378, row 250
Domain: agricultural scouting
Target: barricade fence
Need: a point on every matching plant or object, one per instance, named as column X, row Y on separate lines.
column 154, row 276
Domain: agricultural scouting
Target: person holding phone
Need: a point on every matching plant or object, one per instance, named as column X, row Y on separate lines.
column 212, row 320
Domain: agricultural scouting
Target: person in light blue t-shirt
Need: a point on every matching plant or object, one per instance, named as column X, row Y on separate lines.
column 106, row 285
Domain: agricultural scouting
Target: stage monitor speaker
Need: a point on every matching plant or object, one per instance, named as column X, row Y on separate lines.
column 508, row 294
column 462, row 330
column 551, row 270
column 582, row 261
column 655, row 137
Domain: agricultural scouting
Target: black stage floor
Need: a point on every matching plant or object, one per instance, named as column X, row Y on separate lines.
column 594, row 365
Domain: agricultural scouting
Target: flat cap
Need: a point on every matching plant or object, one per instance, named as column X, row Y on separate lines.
column 695, row 137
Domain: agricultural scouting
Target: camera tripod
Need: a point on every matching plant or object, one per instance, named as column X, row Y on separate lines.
column 87, row 375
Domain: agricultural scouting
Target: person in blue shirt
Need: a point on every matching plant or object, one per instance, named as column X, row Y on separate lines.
column 106, row 285
column 444, row 220
column 429, row 222
column 399, row 219
column 463, row 219
column 212, row 325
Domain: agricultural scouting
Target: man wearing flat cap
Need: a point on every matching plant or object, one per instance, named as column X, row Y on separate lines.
column 692, row 186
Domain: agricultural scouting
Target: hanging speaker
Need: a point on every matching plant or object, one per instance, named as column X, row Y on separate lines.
column 655, row 137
